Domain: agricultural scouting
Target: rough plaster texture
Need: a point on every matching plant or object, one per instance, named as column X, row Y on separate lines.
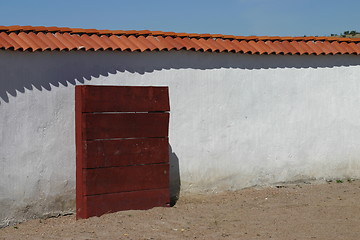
column 236, row 120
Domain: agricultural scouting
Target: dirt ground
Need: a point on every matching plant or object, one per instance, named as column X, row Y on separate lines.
column 293, row 211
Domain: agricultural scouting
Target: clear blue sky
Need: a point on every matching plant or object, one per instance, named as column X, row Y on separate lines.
column 236, row 17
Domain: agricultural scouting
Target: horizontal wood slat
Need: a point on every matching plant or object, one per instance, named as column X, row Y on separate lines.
column 105, row 203
column 124, row 152
column 125, row 99
column 123, row 179
column 125, row 125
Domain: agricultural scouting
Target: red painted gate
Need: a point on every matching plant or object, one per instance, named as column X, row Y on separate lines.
column 122, row 159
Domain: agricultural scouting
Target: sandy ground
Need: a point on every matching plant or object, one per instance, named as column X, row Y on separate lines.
column 292, row 211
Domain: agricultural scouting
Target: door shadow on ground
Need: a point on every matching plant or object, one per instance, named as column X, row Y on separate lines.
column 175, row 183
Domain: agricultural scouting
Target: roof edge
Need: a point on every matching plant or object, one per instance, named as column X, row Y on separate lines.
column 81, row 31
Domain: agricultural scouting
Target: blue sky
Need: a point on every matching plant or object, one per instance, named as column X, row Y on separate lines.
column 236, row 17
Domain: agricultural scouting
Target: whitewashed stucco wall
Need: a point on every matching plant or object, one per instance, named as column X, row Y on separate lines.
column 236, row 120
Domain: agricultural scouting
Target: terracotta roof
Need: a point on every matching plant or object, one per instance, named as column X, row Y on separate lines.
column 29, row 38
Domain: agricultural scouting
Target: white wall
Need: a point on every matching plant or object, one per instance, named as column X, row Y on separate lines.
column 236, row 120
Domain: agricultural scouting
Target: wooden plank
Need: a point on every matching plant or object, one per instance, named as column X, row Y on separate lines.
column 123, row 179
column 125, row 125
column 107, row 203
column 125, row 99
column 80, row 201
column 125, row 152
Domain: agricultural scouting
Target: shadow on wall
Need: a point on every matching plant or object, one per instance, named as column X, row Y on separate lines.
column 21, row 71
column 175, row 183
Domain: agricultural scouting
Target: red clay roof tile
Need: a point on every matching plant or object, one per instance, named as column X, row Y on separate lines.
column 203, row 44
column 94, row 45
column 254, row 47
column 205, row 35
column 179, row 43
column 346, row 47
column 338, row 47
column 138, row 43
column 299, row 46
column 357, row 47
column 314, row 47
column 106, row 41
column 174, row 43
column 231, row 45
column 216, row 35
column 56, row 40
column 353, row 47
column 47, row 40
column 166, row 45
column 307, row 49
column 143, row 32
column 193, row 35
column 38, row 41
column 240, row 46
column 274, row 48
column 118, row 43
column 221, row 45
column 103, row 45
column 286, row 44
column 154, row 41
column 148, row 46
column 190, row 45
column 63, row 38
column 245, row 46
column 280, row 47
column 32, row 45
column 52, row 29
column 215, row 45
column 326, row 47
column 263, row 48
column 23, row 45
column 70, row 42
column 7, row 42
column 125, row 43
column 13, row 28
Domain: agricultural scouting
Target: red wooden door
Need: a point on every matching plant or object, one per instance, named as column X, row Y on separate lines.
column 122, row 158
